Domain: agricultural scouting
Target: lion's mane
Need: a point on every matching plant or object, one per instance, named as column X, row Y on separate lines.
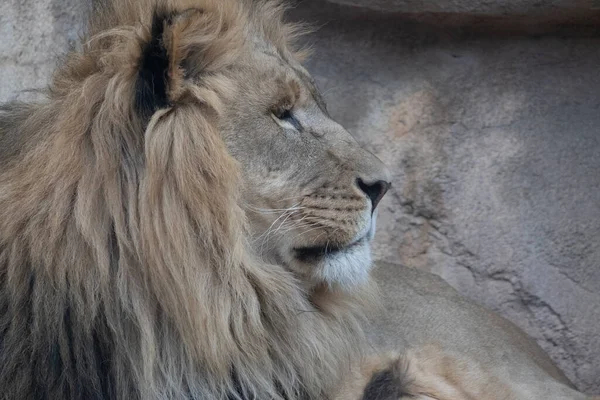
column 125, row 269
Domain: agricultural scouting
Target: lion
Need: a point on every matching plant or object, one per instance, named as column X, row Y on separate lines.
column 181, row 218
column 130, row 196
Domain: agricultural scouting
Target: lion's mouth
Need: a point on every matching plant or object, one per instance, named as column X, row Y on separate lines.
column 314, row 253
column 311, row 254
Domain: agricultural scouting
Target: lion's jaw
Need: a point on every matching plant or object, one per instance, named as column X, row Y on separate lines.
column 349, row 266
column 346, row 265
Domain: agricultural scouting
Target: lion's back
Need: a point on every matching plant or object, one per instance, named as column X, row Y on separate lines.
column 421, row 309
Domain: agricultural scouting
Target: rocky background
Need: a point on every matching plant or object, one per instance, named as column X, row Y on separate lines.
column 488, row 114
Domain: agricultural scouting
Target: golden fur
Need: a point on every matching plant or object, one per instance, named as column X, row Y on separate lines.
column 128, row 267
column 432, row 373
column 450, row 348
column 125, row 269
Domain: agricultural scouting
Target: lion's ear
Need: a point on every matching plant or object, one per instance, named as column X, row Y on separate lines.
column 151, row 88
column 182, row 46
column 160, row 75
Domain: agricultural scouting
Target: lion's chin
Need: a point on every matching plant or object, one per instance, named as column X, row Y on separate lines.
column 345, row 268
column 341, row 266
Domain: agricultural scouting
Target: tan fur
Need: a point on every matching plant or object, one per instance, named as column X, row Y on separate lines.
column 446, row 347
column 125, row 265
column 429, row 374
column 151, row 256
column 432, row 373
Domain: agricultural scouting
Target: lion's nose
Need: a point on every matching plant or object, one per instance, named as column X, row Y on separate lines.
column 374, row 190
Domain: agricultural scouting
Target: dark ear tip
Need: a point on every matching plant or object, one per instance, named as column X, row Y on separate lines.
column 151, row 88
column 391, row 383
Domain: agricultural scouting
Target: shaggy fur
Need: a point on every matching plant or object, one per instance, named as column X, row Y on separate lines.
column 125, row 269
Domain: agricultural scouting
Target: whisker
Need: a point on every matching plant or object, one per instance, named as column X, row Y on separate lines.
column 274, row 210
column 267, row 234
column 307, row 231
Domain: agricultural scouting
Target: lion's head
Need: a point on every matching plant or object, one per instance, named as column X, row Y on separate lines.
column 308, row 189
column 180, row 217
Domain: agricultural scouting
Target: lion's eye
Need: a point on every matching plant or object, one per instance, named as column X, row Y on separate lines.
column 286, row 119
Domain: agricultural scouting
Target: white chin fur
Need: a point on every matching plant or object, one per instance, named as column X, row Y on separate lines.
column 346, row 269
column 350, row 268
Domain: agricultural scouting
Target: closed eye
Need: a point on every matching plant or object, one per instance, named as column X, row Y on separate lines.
column 286, row 119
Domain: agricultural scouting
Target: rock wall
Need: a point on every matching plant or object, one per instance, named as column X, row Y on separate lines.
column 35, row 33
column 493, row 138
column 489, row 7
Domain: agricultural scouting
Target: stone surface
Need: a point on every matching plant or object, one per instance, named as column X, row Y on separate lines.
column 490, row 7
column 494, row 142
column 35, row 33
